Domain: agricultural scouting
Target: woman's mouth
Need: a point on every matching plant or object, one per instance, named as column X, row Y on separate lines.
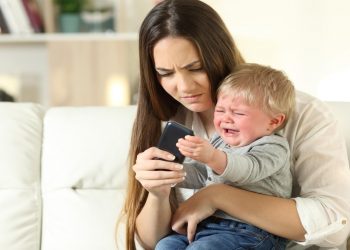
column 191, row 98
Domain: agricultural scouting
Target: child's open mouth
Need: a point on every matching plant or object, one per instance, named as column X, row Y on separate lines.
column 231, row 131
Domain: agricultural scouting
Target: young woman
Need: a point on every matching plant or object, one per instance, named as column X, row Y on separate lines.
column 185, row 52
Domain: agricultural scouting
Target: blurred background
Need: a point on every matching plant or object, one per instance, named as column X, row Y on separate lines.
column 84, row 52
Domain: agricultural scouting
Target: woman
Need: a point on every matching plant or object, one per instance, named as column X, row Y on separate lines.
column 185, row 51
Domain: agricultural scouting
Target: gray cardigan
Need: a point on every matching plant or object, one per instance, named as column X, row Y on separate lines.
column 262, row 166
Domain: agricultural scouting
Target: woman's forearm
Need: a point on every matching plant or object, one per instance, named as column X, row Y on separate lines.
column 153, row 222
column 276, row 215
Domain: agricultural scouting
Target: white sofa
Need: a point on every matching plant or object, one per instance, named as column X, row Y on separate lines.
column 63, row 174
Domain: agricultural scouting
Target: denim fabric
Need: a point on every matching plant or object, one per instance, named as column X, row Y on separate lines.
column 222, row 234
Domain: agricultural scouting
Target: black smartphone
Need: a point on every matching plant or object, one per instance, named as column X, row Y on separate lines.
column 172, row 132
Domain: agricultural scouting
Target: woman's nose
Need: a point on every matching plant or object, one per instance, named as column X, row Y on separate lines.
column 184, row 83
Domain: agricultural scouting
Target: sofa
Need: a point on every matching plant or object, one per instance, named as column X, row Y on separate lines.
column 64, row 173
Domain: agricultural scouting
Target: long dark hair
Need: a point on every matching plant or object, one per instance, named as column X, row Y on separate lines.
column 200, row 24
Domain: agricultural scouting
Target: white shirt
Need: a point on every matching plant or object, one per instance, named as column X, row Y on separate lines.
column 321, row 172
column 320, row 168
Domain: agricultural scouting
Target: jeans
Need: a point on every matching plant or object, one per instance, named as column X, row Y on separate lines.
column 216, row 233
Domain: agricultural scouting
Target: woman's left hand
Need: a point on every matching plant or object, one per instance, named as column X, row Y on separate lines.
column 192, row 211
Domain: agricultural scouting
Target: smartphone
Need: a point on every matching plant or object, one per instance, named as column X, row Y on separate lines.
column 172, row 132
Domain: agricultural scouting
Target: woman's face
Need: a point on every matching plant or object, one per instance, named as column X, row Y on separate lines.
column 180, row 72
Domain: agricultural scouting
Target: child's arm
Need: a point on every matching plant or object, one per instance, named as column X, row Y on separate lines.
column 201, row 150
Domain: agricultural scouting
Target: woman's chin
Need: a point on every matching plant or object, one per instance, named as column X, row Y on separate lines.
column 197, row 107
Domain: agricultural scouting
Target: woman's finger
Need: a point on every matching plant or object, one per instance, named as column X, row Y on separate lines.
column 179, row 226
column 153, row 153
column 149, row 165
column 150, row 184
column 159, row 175
column 191, row 230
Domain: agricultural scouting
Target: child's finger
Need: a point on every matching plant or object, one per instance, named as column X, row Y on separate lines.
column 194, row 139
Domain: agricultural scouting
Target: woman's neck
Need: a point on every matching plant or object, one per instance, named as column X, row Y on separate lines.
column 207, row 120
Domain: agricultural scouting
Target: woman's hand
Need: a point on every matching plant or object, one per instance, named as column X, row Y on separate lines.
column 155, row 171
column 192, row 211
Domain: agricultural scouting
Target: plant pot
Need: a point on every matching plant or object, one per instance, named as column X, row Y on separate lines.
column 97, row 21
column 69, row 22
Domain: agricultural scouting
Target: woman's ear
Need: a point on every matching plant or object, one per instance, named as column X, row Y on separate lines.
column 276, row 121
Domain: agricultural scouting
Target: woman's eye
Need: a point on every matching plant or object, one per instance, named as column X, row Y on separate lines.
column 164, row 74
column 196, row 69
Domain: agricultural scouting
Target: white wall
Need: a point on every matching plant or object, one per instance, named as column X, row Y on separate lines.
column 308, row 39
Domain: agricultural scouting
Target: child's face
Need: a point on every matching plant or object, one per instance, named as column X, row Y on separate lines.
column 238, row 123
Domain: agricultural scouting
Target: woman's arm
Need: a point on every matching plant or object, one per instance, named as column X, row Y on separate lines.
column 153, row 221
column 321, row 172
column 276, row 215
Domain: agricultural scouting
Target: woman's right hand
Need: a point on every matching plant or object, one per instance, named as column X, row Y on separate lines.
column 156, row 173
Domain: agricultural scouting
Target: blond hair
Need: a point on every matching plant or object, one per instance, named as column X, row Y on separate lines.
column 261, row 86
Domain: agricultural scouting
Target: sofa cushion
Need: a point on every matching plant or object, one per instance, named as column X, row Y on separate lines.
column 84, row 167
column 20, row 201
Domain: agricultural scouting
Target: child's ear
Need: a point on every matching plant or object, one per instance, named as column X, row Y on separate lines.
column 277, row 121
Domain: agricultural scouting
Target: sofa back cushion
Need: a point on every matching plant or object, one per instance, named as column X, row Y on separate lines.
column 84, row 168
column 20, row 201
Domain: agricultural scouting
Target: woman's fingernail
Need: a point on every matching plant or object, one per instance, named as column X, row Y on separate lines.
column 171, row 157
column 179, row 166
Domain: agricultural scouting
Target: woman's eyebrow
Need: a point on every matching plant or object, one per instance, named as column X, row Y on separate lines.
column 191, row 64
column 194, row 63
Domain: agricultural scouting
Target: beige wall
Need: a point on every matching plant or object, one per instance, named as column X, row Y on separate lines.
column 308, row 39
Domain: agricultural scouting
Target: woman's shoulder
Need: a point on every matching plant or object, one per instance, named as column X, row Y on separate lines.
column 311, row 116
column 306, row 100
column 309, row 105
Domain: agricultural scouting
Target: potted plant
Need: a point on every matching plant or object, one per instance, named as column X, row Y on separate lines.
column 69, row 14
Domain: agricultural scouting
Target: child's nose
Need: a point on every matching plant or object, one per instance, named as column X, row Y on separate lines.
column 228, row 118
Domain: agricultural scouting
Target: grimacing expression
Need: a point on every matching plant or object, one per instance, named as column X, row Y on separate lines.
column 240, row 124
column 181, row 74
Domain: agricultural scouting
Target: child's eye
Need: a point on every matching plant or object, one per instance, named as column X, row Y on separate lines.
column 238, row 113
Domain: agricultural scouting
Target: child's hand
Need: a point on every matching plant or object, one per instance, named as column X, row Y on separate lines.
column 196, row 148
